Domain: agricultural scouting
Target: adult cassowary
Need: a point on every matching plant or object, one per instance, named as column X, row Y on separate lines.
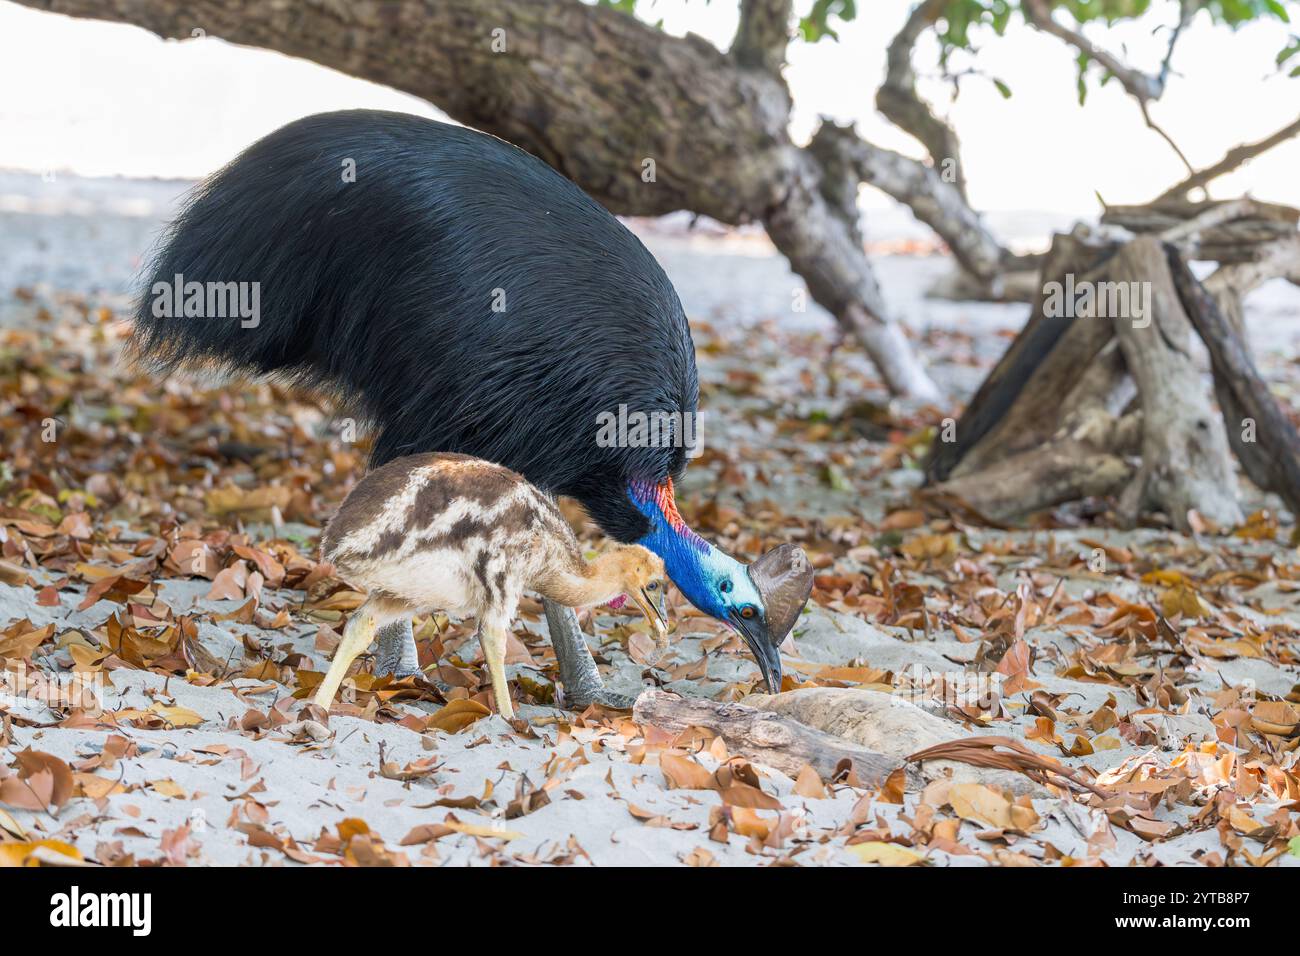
column 462, row 296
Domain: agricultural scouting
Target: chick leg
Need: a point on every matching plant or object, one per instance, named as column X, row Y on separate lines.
column 578, row 673
column 358, row 634
column 396, row 652
column 492, row 638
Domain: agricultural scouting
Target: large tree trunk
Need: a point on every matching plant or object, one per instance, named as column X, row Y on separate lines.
column 595, row 93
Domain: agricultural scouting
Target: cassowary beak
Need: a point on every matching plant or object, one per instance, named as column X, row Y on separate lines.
column 784, row 579
column 768, row 653
column 654, row 612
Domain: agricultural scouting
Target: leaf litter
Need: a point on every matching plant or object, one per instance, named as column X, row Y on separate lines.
column 165, row 618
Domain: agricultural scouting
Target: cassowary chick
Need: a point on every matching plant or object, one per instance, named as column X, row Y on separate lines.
column 459, row 534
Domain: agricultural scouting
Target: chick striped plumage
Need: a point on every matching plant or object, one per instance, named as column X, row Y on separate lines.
column 450, row 530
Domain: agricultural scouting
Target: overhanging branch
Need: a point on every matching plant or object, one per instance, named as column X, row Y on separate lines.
column 935, row 201
column 1141, row 86
column 898, row 100
column 763, row 35
column 1234, row 158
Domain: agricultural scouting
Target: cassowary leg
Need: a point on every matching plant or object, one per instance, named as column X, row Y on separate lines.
column 358, row 634
column 396, row 652
column 492, row 638
column 582, row 683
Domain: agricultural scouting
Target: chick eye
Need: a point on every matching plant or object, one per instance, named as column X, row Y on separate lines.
column 725, row 587
column 747, row 612
column 652, row 586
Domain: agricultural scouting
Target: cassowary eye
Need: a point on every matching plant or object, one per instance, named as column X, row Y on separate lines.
column 747, row 612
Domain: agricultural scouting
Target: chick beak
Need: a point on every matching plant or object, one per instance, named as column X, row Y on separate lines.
column 768, row 655
column 654, row 612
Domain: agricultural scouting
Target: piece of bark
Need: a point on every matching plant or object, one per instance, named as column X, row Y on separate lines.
column 1009, row 754
column 1186, row 461
column 778, row 742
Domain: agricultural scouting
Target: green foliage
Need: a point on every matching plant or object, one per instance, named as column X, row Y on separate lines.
column 817, row 23
column 962, row 15
column 963, row 18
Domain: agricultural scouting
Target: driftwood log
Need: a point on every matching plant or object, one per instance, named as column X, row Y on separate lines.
column 1270, row 450
column 1186, row 460
column 1101, row 402
column 778, row 742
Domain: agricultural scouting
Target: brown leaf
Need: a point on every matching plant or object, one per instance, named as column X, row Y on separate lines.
column 682, row 773
column 456, row 716
column 43, row 782
column 809, row 784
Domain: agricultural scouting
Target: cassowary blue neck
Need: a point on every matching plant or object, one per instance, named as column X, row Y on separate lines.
column 693, row 564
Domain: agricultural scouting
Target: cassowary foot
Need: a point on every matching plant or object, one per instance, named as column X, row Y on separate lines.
column 578, row 673
column 395, row 651
column 606, row 698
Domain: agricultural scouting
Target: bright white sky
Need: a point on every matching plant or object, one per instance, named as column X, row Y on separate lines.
column 104, row 99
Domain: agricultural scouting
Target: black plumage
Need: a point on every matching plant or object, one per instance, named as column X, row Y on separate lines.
column 381, row 291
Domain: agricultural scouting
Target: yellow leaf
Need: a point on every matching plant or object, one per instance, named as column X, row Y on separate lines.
column 1023, row 818
column 344, row 600
column 976, row 802
column 923, row 546
column 350, row 827
column 21, row 854
column 168, row 788
column 809, row 784
column 1181, row 599
column 96, row 787
column 478, row 829
column 682, row 773
column 220, row 501
column 885, row 854
column 172, row 716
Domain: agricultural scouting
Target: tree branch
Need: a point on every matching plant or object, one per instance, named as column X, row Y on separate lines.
column 1278, row 259
column 1141, row 86
column 935, row 201
column 1235, row 157
column 898, row 100
column 551, row 76
column 763, row 35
